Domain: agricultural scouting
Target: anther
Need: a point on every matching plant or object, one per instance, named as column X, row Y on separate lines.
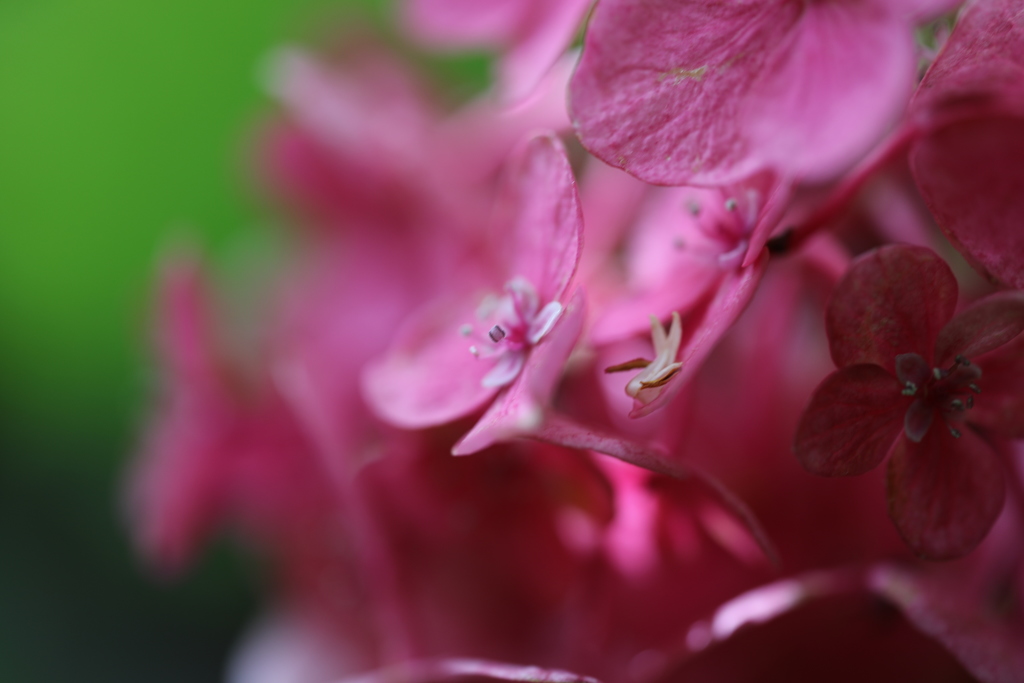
column 956, row 404
column 960, row 360
column 693, row 207
column 635, row 364
column 970, row 401
column 954, row 432
column 496, row 334
column 475, row 351
column 974, row 388
column 910, row 389
column 730, row 204
column 466, row 330
column 937, row 373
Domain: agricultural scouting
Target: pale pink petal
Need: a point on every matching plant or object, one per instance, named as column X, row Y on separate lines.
column 548, row 223
column 983, row 327
column 526, row 63
column 460, row 24
column 429, row 376
column 519, row 409
column 944, row 492
column 680, row 92
column 854, row 418
column 989, row 647
column 893, row 300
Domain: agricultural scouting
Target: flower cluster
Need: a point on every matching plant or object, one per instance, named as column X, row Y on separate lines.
column 625, row 310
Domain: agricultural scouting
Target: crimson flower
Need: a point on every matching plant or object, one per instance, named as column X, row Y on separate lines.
column 934, row 390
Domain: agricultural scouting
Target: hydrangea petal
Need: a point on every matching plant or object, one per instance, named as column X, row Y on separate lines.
column 944, row 492
column 679, row 92
column 519, row 410
column 703, row 330
column 854, row 418
column 893, row 300
column 429, row 377
column 549, row 223
column 984, row 326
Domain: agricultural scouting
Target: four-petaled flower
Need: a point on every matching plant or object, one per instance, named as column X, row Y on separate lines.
column 925, row 386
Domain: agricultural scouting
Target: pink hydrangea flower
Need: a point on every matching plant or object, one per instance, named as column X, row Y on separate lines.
column 919, row 383
column 680, row 92
column 457, row 355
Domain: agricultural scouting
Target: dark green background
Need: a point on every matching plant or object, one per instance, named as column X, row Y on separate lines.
column 122, row 123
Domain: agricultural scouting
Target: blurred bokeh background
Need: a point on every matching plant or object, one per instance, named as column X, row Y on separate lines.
column 122, row 125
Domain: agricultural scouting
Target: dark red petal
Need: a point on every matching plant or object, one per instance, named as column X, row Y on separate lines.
column 855, row 416
column 945, row 492
column 1000, row 406
column 983, row 327
column 893, row 300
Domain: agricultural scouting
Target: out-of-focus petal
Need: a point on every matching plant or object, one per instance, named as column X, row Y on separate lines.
column 944, row 492
column 893, row 300
column 854, row 418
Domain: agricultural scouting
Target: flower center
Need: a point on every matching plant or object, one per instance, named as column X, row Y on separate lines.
column 514, row 322
column 948, row 392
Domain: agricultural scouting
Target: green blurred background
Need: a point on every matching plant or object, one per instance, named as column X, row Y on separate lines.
column 122, row 123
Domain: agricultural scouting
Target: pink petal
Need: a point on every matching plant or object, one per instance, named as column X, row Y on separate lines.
column 702, row 330
column 548, row 224
column 534, row 54
column 984, row 326
column 944, row 493
column 681, row 92
column 893, row 300
column 428, row 377
column 854, row 418
column 990, row 648
column 519, row 410
column 466, row 23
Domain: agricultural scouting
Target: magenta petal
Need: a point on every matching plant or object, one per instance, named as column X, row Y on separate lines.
column 893, row 300
column 945, row 492
column 429, row 377
column 519, row 410
column 854, row 418
column 984, row 326
column 988, row 647
column 438, row 670
column 680, row 92
column 465, row 23
column 549, row 224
